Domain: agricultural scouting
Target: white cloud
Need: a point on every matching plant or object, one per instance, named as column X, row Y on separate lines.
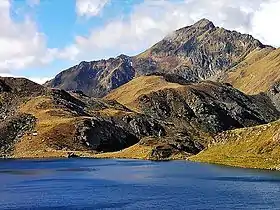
column 90, row 8
column 39, row 80
column 265, row 24
column 22, row 45
column 151, row 20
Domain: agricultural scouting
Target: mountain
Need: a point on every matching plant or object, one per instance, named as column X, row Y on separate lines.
column 95, row 78
column 166, row 114
column 203, row 93
column 195, row 53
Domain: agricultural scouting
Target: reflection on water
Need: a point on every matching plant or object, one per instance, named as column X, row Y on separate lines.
column 132, row 184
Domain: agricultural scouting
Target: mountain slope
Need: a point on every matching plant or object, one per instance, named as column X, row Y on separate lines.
column 257, row 73
column 195, row 53
column 128, row 93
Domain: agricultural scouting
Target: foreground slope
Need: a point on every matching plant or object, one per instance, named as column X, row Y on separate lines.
column 254, row 147
column 196, row 52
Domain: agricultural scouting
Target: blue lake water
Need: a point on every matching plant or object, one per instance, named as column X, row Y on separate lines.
column 132, row 184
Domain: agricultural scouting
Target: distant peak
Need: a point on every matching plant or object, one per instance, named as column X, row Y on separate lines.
column 204, row 23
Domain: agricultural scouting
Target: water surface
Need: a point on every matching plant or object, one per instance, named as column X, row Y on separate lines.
column 132, row 184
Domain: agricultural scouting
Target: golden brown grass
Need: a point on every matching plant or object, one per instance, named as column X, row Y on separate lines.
column 53, row 126
column 109, row 112
column 257, row 72
column 255, row 147
column 134, row 152
column 137, row 151
column 128, row 93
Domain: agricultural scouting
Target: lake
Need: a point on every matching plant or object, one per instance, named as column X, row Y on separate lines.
column 134, row 184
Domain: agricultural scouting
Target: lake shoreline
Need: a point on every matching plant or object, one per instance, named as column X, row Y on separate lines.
column 118, row 156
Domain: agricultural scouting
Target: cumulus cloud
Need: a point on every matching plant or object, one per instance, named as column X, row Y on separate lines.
column 151, row 20
column 21, row 44
column 90, row 8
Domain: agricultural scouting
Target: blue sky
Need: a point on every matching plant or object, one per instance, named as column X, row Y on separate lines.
column 40, row 38
column 60, row 23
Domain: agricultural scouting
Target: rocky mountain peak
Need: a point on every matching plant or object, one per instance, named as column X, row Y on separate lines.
column 195, row 53
column 204, row 23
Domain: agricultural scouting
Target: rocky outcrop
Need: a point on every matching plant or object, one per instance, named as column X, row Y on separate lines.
column 104, row 136
column 195, row 53
column 274, row 94
column 166, row 146
column 12, row 129
column 108, row 135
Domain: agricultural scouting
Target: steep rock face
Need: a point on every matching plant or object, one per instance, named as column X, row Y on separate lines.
column 115, row 134
column 195, row 53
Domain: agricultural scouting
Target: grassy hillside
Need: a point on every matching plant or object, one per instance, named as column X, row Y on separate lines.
column 55, row 127
column 255, row 147
column 143, row 85
column 257, row 73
